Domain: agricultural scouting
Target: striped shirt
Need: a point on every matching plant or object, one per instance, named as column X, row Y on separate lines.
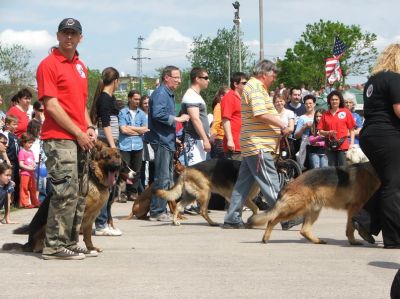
column 257, row 135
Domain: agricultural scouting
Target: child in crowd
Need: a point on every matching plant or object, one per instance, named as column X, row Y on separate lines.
column 34, row 128
column 6, row 188
column 3, row 149
column 27, row 173
column 316, row 150
column 11, row 124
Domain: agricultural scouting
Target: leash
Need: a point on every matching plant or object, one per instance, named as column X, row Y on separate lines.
column 84, row 182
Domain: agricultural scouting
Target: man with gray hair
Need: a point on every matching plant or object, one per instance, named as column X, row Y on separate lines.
column 261, row 130
column 162, row 137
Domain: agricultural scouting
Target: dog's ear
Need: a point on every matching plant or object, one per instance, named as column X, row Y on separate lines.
column 179, row 168
column 99, row 145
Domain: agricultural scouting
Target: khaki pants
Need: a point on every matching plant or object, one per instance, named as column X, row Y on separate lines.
column 64, row 162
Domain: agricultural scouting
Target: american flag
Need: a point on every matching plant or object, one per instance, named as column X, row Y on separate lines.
column 339, row 48
column 333, row 72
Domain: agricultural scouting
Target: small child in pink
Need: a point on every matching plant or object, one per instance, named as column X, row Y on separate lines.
column 27, row 173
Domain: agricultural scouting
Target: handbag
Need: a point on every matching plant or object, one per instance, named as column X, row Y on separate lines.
column 334, row 144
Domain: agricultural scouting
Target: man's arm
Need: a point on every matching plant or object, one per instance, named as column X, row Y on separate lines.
column 228, row 134
column 194, row 115
column 91, row 132
column 54, row 109
column 273, row 120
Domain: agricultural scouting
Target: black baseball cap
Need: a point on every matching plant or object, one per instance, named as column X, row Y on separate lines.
column 70, row 23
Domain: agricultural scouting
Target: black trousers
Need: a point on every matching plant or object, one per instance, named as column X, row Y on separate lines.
column 384, row 206
column 134, row 160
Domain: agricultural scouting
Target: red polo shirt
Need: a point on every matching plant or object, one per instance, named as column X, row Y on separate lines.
column 23, row 120
column 341, row 122
column 67, row 81
column 230, row 109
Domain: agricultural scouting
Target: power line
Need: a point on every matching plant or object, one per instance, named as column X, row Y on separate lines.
column 139, row 60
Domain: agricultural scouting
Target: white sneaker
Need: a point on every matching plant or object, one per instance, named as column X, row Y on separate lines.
column 117, row 231
column 106, row 231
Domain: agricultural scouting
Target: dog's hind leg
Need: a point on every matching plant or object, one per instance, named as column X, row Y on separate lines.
column 349, row 226
column 309, row 218
column 255, row 189
column 268, row 230
column 203, row 201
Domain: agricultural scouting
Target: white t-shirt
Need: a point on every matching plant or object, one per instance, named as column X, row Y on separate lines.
column 286, row 115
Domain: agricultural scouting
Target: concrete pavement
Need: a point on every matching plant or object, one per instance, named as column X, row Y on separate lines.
column 158, row 260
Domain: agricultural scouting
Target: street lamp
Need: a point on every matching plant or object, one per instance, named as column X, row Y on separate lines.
column 236, row 21
column 261, row 12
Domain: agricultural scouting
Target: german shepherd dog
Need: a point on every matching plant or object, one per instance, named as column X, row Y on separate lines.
column 197, row 182
column 141, row 205
column 103, row 170
column 345, row 188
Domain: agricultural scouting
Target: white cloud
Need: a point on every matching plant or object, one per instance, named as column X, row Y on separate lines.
column 382, row 42
column 32, row 40
column 271, row 50
column 166, row 46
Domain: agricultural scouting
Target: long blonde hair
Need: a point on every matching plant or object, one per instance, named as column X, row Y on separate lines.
column 388, row 60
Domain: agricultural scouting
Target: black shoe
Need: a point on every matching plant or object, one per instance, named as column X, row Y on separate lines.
column 84, row 250
column 392, row 246
column 286, row 225
column 192, row 210
column 365, row 234
column 240, row 225
column 64, row 254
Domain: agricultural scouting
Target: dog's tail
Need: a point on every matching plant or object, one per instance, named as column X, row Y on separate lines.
column 16, row 247
column 262, row 219
column 22, row 230
column 174, row 193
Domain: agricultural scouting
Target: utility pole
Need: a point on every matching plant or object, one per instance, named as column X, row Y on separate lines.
column 237, row 21
column 138, row 60
column 261, row 12
column 229, row 65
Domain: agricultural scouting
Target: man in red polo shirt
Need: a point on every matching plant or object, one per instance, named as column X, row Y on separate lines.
column 67, row 132
column 231, row 115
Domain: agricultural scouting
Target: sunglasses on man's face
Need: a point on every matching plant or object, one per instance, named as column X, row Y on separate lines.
column 41, row 110
column 204, row 77
column 3, row 142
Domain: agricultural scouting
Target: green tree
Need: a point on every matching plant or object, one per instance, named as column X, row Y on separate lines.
column 305, row 62
column 94, row 77
column 218, row 55
column 15, row 64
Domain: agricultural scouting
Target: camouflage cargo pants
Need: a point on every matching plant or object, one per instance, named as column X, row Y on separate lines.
column 64, row 163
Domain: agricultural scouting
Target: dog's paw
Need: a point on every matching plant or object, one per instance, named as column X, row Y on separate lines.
column 319, row 241
column 356, row 243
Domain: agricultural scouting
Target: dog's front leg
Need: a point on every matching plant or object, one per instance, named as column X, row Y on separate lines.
column 349, row 226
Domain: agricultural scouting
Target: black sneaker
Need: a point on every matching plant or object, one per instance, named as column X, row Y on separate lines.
column 84, row 250
column 240, row 225
column 365, row 234
column 286, row 225
column 193, row 210
column 64, row 254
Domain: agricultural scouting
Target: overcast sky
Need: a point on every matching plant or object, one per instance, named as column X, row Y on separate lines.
column 111, row 28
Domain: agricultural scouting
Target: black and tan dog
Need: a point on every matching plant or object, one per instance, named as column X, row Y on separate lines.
column 103, row 170
column 197, row 182
column 345, row 188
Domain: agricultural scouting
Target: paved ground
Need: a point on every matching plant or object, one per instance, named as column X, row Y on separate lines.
column 155, row 260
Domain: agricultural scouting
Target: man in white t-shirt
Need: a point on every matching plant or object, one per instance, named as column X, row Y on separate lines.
column 197, row 130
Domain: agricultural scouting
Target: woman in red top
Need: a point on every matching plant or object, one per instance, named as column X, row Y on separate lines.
column 336, row 124
column 20, row 110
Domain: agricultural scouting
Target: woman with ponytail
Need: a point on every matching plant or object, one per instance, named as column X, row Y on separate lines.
column 104, row 114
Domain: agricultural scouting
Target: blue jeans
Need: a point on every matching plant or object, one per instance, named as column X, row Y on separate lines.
column 163, row 177
column 318, row 160
column 260, row 169
column 101, row 220
column 336, row 158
